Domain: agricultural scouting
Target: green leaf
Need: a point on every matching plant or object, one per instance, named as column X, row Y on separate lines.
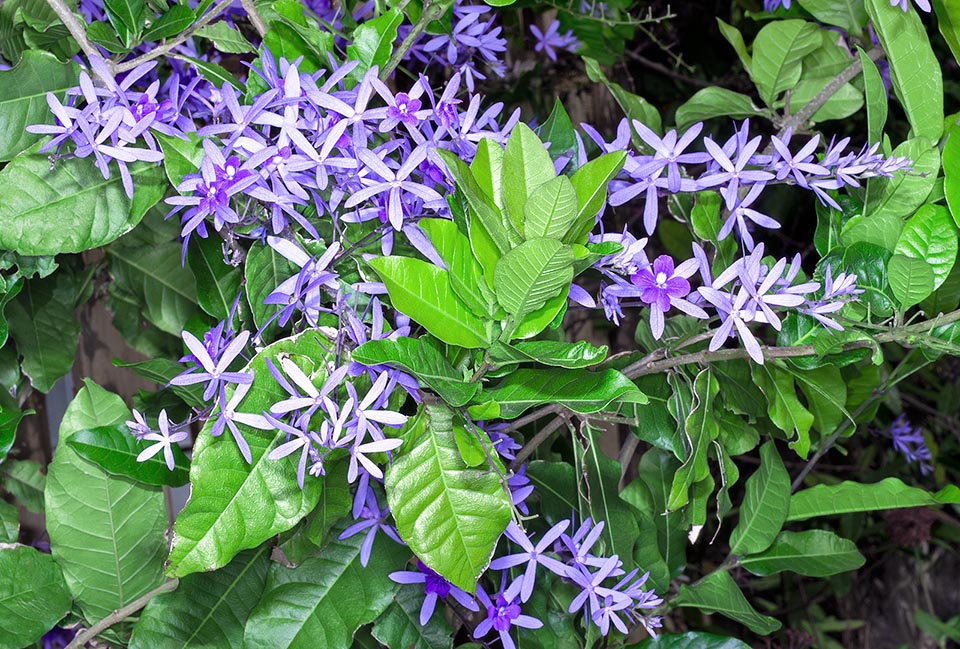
column 33, row 596
column 423, row 292
column 717, row 592
column 399, row 625
column 44, row 328
column 9, row 523
column 558, row 131
column 451, row 516
column 876, row 97
column 373, row 41
column 590, row 182
column 160, row 371
column 72, row 208
column 208, row 609
column 849, row 15
column 465, row 272
column 656, row 470
column 930, row 236
column 530, row 274
column 176, row 19
column 907, row 190
column 633, row 106
column 869, row 263
column 127, row 16
column 765, row 503
column 879, row 229
column 551, row 210
column 735, row 38
column 602, row 497
column 218, row 282
column 114, row 449
column 846, row 101
column 579, row 390
column 826, row 393
column 106, row 532
column 25, row 481
column 691, row 640
column 180, row 157
column 812, row 553
column 487, row 169
column 914, row 69
column 849, row 496
column 105, row 35
column 951, row 172
column 777, row 54
column 235, row 506
column 23, row 102
column 548, row 352
column 9, row 421
column 485, row 220
column 911, row 280
column 708, row 103
column 948, row 20
column 215, row 74
column 526, row 166
column 264, row 271
column 420, row 358
column 701, row 428
column 784, row 408
column 225, row 38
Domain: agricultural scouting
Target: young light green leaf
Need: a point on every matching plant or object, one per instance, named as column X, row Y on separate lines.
column 551, row 209
column 812, row 553
column 718, row 592
column 465, row 272
column 708, row 103
column 72, row 208
column 423, row 292
column 848, row 15
column 180, row 157
column 948, row 20
column 106, row 532
column 911, row 280
column 777, row 54
column 451, row 516
column 487, row 169
column 23, row 102
column 207, row 609
column 914, row 69
column 930, row 236
column 907, row 191
column 735, row 38
column 701, row 428
column 876, row 98
column 235, row 506
column 879, row 229
column 485, row 218
column 530, row 274
column 579, row 390
column 424, row 361
column 114, row 449
column 849, row 496
column 590, row 182
column 33, row 595
column 765, row 504
column 526, row 166
column 548, row 352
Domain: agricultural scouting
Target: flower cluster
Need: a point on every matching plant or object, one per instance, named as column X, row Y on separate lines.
column 551, row 40
column 908, row 441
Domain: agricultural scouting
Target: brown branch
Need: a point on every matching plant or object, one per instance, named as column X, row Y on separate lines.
column 121, row 614
column 73, row 25
column 254, row 17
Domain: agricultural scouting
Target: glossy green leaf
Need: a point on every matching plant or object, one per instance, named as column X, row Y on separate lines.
column 719, row 593
column 826, row 392
column 127, row 16
column 879, row 229
column 235, row 506
column 530, row 274
column 691, row 640
column 849, row 496
column 323, row 601
column 225, row 38
column 907, row 190
column 876, row 97
column 451, row 516
column 700, row 428
column 9, row 523
column 914, row 69
column 208, row 609
column 708, row 103
column 558, row 131
column 465, row 272
column 777, row 54
column 115, row 449
column 548, row 352
column 23, row 98
column 71, row 208
column 218, row 282
column 106, row 532
column 423, row 292
column 930, row 236
column 422, row 359
column 551, row 210
column 812, row 553
column 399, row 625
column 487, row 169
column 765, row 503
column 24, row 479
column 590, row 182
column 869, row 263
column 485, row 218
column 846, row 101
column 579, row 390
column 180, row 157
column 735, row 38
column 33, row 595
column 9, row 421
column 848, row 15
column 44, row 328
column 372, row 41
column 948, row 20
column 174, row 20
column 951, row 172
column 785, row 409
column 911, row 280
column 526, row 166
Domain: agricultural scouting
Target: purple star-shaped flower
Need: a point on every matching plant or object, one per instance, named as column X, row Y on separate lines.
column 663, row 286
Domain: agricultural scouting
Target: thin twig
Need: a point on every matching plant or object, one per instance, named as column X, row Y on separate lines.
column 74, row 27
column 664, row 70
column 121, row 614
column 254, row 16
column 846, row 75
column 539, row 439
column 431, row 11
column 169, row 46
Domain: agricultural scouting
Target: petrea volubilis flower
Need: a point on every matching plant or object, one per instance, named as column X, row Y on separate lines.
column 167, row 435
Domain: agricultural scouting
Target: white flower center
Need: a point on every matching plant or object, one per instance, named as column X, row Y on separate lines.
column 661, row 279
